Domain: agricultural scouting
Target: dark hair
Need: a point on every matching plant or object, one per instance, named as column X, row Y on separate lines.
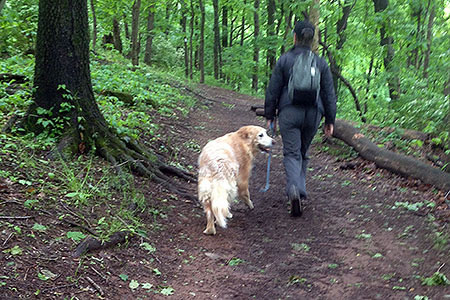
column 304, row 31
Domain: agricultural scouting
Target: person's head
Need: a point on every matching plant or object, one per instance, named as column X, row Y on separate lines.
column 303, row 33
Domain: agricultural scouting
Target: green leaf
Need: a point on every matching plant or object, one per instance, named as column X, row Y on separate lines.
column 147, row 286
column 39, row 227
column 235, row 261
column 134, row 284
column 75, row 236
column 148, row 247
column 167, row 291
column 157, row 272
column 16, row 250
column 124, row 277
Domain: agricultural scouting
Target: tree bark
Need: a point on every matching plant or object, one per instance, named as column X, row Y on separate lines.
column 126, row 28
column 255, row 46
column 314, row 14
column 191, row 38
column 388, row 43
column 63, row 87
column 288, row 28
column 201, row 50
column 271, row 33
column 224, row 26
column 183, row 22
column 94, row 26
column 389, row 160
column 429, row 39
column 216, row 38
column 149, row 40
column 116, row 35
column 135, row 32
column 243, row 25
column 2, row 4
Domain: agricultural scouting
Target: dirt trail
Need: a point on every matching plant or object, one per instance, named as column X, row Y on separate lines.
column 350, row 243
column 354, row 241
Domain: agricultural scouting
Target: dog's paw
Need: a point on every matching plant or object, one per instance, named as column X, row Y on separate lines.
column 210, row 231
column 250, row 204
column 230, row 215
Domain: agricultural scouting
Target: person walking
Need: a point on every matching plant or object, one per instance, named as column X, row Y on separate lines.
column 301, row 93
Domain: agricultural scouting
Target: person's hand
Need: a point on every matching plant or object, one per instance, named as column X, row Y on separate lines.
column 274, row 123
column 328, row 130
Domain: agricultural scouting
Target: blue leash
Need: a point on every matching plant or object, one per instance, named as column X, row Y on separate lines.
column 266, row 188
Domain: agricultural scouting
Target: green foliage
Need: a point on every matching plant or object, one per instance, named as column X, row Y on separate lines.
column 437, row 278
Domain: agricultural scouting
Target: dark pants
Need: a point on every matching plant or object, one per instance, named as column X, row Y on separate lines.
column 298, row 125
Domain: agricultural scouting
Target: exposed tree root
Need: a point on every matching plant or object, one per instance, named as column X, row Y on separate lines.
column 90, row 243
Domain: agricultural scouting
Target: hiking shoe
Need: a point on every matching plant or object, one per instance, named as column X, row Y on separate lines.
column 294, row 198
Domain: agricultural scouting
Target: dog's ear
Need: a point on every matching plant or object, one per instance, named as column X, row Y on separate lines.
column 244, row 133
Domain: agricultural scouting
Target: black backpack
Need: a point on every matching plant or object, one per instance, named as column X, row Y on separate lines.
column 304, row 81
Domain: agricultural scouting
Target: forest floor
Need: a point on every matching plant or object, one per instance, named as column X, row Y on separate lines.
column 365, row 234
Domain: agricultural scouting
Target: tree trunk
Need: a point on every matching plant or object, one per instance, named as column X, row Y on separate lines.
column 135, row 32
column 224, row 26
column 63, row 87
column 271, row 33
column 341, row 25
column 183, row 22
column 149, row 41
column 288, row 28
column 429, row 39
column 387, row 42
column 314, row 14
column 201, row 50
column 116, row 35
column 389, row 160
column 2, row 4
column 127, row 29
column 191, row 37
column 94, row 26
column 255, row 47
column 216, row 38
column 394, row 162
column 243, row 25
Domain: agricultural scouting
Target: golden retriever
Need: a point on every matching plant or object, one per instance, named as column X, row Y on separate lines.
column 224, row 171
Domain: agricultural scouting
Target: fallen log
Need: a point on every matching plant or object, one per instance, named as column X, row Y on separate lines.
column 394, row 162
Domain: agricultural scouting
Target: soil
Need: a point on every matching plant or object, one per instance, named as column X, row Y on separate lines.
column 355, row 240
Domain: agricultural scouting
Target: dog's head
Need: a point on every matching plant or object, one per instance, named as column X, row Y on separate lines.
column 257, row 138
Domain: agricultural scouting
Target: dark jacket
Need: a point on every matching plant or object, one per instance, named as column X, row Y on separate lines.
column 277, row 91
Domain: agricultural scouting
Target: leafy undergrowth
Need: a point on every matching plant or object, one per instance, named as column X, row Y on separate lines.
column 48, row 206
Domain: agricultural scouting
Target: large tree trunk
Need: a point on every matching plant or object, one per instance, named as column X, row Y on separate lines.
column 149, row 41
column 314, row 14
column 389, row 160
column 94, row 26
column 135, row 33
column 116, row 35
column 394, row 162
column 63, row 87
column 429, row 39
column 201, row 50
column 216, row 38
column 388, row 43
column 255, row 47
column 270, row 33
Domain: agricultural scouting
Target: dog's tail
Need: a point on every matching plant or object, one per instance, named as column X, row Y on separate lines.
column 220, row 205
column 217, row 193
